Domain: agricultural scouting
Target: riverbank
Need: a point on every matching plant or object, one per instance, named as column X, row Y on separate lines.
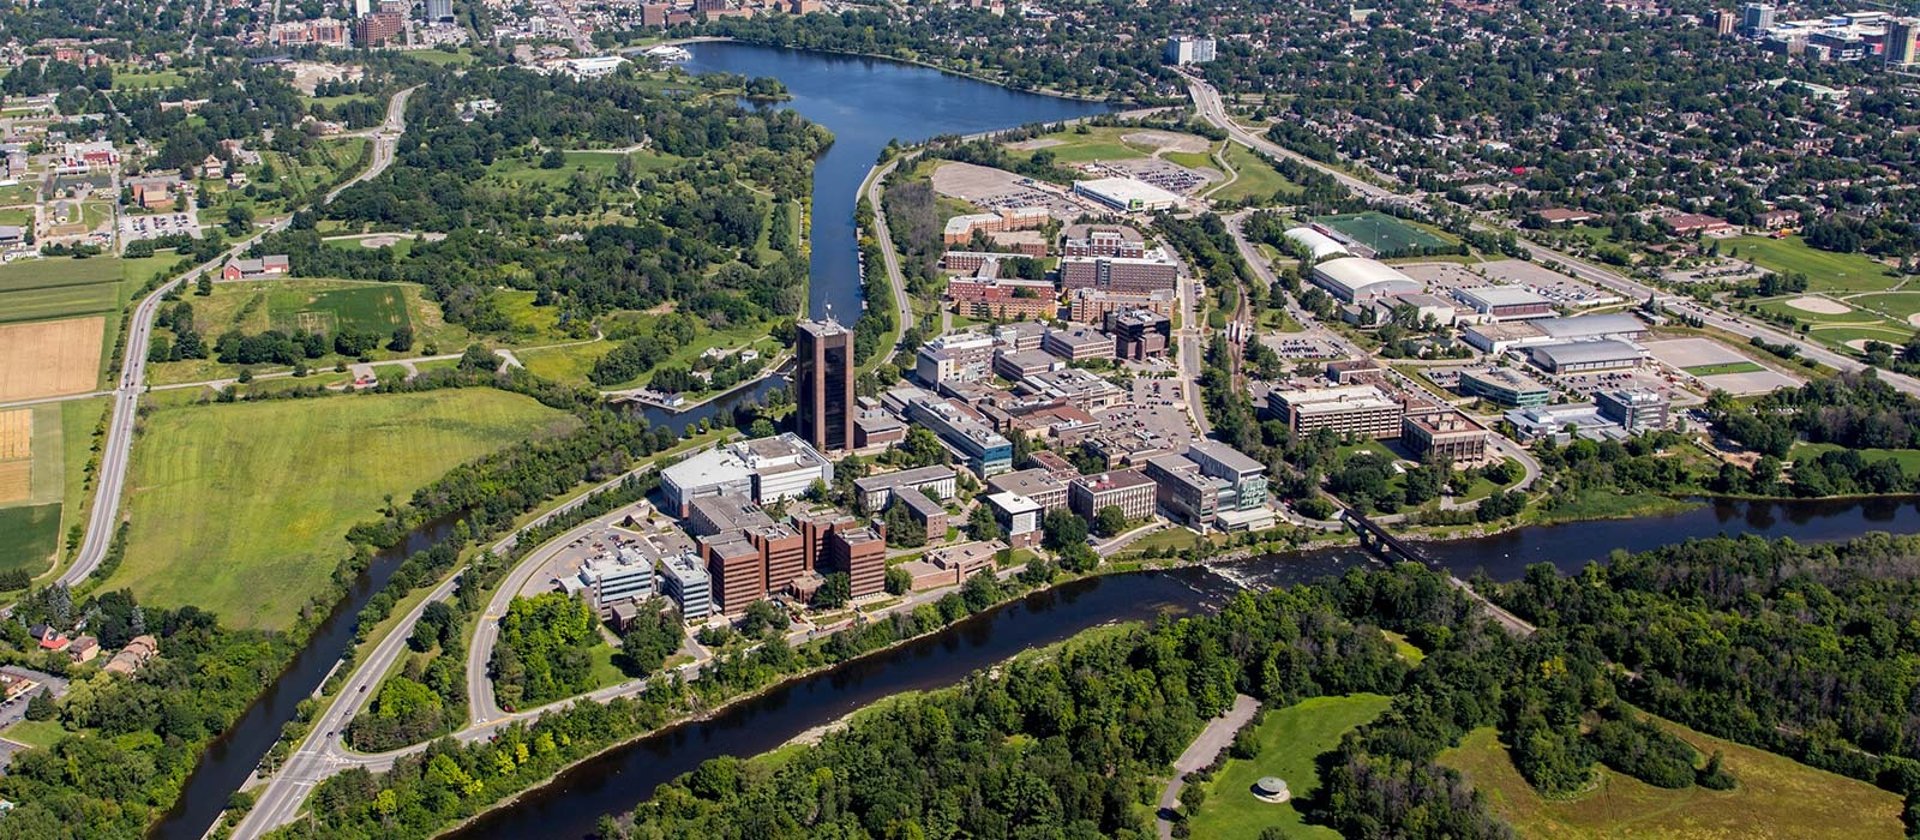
column 914, row 62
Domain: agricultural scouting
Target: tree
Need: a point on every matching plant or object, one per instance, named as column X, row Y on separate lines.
column 553, row 159
column 834, row 592
column 902, row 530
column 1109, row 521
column 478, row 358
column 41, row 707
column 899, row 582
column 402, row 339
column 1063, row 528
column 203, row 286
column 981, row 523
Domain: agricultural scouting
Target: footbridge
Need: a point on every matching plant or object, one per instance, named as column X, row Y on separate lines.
column 1389, row 546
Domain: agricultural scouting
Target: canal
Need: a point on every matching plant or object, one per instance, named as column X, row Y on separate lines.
column 569, row 806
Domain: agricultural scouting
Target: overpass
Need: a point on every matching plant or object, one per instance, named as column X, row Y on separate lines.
column 1388, row 546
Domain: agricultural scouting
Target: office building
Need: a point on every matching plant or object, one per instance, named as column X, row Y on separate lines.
column 686, row 581
column 1903, row 42
column 862, row 555
column 1038, row 484
column 1635, row 409
column 960, row 229
column 1129, row 490
column 1025, row 335
column 1245, row 476
column 1183, row 494
column 1510, row 388
column 1756, row 19
column 1020, row 364
column 1019, row 518
column 1000, row 298
column 738, row 571
column 1102, row 241
column 1127, row 195
column 823, row 352
column 872, row 492
column 1212, row 484
column 616, row 576
column 983, row 450
column 1078, row 344
column 1139, row 333
column 765, row 470
column 1444, row 436
column 926, row 513
column 1553, row 421
column 961, row 357
column 1074, row 388
column 1583, row 356
column 1189, row 49
column 1349, row 409
column 439, row 11
column 1126, row 275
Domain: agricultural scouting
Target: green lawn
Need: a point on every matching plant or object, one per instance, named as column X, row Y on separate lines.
column 441, row 57
column 523, row 315
column 1851, row 316
column 1384, row 233
column 1826, row 271
column 377, row 309
column 1776, row 798
column 567, row 363
column 592, row 162
column 1725, row 367
column 35, row 733
column 1608, row 504
column 1838, row 336
column 241, row 508
column 156, row 79
column 1404, row 649
column 78, row 419
column 1896, row 305
column 1099, row 143
column 1257, row 180
column 1290, row 739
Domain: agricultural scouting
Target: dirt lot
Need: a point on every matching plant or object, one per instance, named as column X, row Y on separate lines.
column 1685, row 353
column 1167, row 141
column 49, row 358
column 997, row 188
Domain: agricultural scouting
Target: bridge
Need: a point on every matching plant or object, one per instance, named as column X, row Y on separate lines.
column 1388, row 546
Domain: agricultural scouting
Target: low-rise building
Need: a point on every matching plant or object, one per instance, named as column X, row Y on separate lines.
column 1127, row 195
column 1088, row 305
column 1074, row 387
column 1020, row 364
column 1002, row 297
column 1129, row 490
column 617, row 575
column 1360, row 280
column 1019, row 518
column 1348, row 409
column 1635, row 409
column 1506, row 303
column 951, row 566
column 737, row 569
column 1350, row 371
column 1039, row 484
column 1102, row 241
column 1212, row 484
column 1583, row 356
column 271, row 265
column 960, row 229
column 872, row 492
column 1078, row 344
column 963, row 357
column 1505, row 386
column 1553, row 422
column 1444, row 436
column 765, row 470
column 135, row 655
column 926, row 513
column 983, row 450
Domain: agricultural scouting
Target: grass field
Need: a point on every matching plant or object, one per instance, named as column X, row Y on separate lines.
column 1826, row 271
column 319, row 305
column 1725, row 367
column 1851, row 316
column 366, row 309
column 1099, row 143
column 596, row 163
column 241, row 508
column 566, row 363
column 78, row 419
column 28, row 536
column 1290, row 739
column 1776, row 798
column 1384, row 233
column 156, row 79
column 35, row 733
column 1257, row 180
column 1909, row 458
column 441, row 57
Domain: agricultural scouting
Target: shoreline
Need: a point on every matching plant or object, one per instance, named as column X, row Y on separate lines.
column 729, row 39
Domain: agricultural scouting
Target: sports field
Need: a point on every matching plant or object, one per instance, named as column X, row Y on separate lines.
column 1383, row 233
column 1290, row 739
column 1725, row 367
column 50, row 358
column 242, row 508
column 1826, row 271
column 1776, row 798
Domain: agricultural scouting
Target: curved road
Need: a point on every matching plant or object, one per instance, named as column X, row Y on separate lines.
column 902, row 308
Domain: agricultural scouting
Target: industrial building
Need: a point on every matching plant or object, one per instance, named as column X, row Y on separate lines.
column 1349, row 409
column 1127, row 195
column 1358, row 279
column 1504, row 386
column 1583, row 356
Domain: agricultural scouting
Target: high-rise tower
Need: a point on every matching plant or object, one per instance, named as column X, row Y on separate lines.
column 824, row 383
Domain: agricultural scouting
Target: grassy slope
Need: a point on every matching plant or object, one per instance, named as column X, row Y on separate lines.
column 1776, row 798
column 241, row 508
column 1290, row 739
column 1257, row 179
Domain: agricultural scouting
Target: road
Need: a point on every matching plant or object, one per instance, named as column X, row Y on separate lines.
column 1205, row 747
column 117, row 449
column 1209, row 106
column 902, row 308
column 386, row 142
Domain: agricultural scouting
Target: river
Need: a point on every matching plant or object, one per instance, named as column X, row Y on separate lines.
column 570, row 805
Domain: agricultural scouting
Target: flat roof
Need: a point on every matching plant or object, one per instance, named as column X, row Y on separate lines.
column 1577, row 352
column 1014, row 503
column 1114, row 480
column 901, row 478
column 1311, row 400
column 1027, row 482
column 1506, row 332
column 1491, row 296
column 1579, row 326
column 1126, row 190
column 1228, row 456
column 1505, row 378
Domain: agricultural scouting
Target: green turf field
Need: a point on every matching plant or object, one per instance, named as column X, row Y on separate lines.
column 1776, row 799
column 1781, row 306
column 1826, row 271
column 1384, row 233
column 1290, row 739
column 1897, row 305
column 1725, row 367
column 28, row 536
column 242, row 508
column 1909, row 458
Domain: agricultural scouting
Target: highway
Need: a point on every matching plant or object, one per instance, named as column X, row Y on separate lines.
column 1208, row 104
column 386, row 142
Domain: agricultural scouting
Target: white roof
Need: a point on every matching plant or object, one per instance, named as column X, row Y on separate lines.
column 1362, row 277
column 705, row 469
column 1319, row 245
column 1491, row 296
column 1588, row 326
column 1127, row 190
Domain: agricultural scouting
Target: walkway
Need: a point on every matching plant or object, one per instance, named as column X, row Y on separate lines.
column 1205, row 748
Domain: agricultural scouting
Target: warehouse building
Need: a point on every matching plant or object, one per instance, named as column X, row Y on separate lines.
column 1359, row 280
column 1506, row 303
column 1127, row 195
column 1618, row 325
column 1584, row 356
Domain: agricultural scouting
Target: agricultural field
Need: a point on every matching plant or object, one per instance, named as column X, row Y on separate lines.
column 1776, row 798
column 1258, row 180
column 60, row 287
column 1384, row 233
column 31, row 473
column 1290, row 739
column 274, row 498
column 1826, row 271
column 28, row 535
column 50, row 358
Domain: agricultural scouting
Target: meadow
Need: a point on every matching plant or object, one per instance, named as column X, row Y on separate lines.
column 1775, row 798
column 1826, row 271
column 1290, row 739
column 252, row 528
column 1258, row 180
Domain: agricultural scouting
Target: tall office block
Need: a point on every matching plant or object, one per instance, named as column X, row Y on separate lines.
column 439, row 11
column 1756, row 19
column 824, row 384
column 1903, row 42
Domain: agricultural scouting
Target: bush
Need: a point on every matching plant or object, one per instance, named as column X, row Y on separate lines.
column 1713, row 776
column 1640, row 748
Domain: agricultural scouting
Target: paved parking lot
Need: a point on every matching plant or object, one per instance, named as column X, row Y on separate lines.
column 995, row 189
column 163, row 224
column 1296, row 347
column 1164, row 174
